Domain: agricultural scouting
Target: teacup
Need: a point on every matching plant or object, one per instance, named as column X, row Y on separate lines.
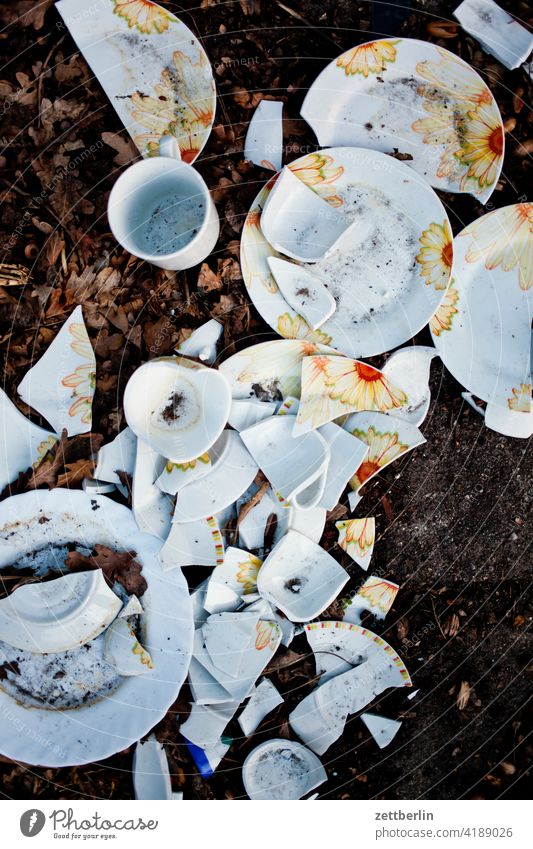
column 160, row 210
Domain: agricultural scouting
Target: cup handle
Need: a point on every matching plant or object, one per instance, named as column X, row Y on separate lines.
column 168, row 146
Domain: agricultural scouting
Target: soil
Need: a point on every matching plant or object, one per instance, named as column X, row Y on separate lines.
column 453, row 516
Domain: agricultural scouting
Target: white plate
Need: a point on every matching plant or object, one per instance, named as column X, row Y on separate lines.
column 281, row 769
column 416, row 98
column 395, row 274
column 92, row 732
column 153, row 69
column 483, row 328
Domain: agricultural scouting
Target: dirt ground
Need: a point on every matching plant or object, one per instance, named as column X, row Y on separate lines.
column 453, row 516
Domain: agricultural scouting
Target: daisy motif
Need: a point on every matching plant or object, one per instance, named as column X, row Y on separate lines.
column 367, row 59
column 146, row 16
column 521, row 400
column 504, row 239
column 268, row 634
column 383, row 449
column 248, row 571
column 296, row 327
column 443, row 318
column 436, row 255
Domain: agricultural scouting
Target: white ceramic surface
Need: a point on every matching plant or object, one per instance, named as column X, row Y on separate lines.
column 246, row 412
column 95, row 731
column 151, row 507
column 264, row 699
column 124, row 652
column 179, row 410
column 298, row 223
column 281, row 769
column 375, row 595
column 483, row 329
column 409, row 369
column 263, row 144
column 60, row 386
column 295, row 466
column 303, row 291
column 151, row 777
column 339, row 645
column 153, row 69
column 357, row 537
column 272, row 369
column 21, row 443
column 117, row 456
column 176, row 476
column 58, row 615
column 346, row 455
column 231, row 474
column 196, row 543
column 391, row 274
column 238, row 574
column 497, row 32
column 416, row 98
column 383, row 730
column 202, row 342
column 300, row 578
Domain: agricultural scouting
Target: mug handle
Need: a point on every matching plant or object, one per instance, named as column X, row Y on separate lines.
column 168, row 146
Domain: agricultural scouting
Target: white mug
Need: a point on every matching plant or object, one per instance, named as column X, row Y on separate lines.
column 160, row 210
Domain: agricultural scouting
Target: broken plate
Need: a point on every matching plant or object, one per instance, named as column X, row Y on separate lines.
column 497, row 32
column 263, row 144
column 298, row 223
column 58, row 615
column 179, row 409
column 84, row 724
column 151, row 507
column 346, row 454
column 264, row 699
column 393, row 276
column 296, row 466
column 151, row 776
column 300, row 578
column 338, row 646
column 281, row 769
column 357, row 537
column 22, row 444
column 413, row 94
column 123, row 651
column 483, row 329
column 376, row 595
column 232, row 471
column 387, row 438
column 509, row 422
column 205, row 724
column 207, row 760
column 237, row 574
column 270, row 371
column 382, row 729
column 152, row 67
column 117, row 456
column 246, row 412
column 60, row 386
column 175, row 476
column 197, row 543
column 202, row 342
column 409, row 369
column 335, row 386
column 303, row 291
column 252, row 528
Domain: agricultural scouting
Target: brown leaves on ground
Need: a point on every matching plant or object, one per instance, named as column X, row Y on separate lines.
column 118, row 566
column 463, row 696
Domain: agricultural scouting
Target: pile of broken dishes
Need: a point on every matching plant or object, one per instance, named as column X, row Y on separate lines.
column 346, row 253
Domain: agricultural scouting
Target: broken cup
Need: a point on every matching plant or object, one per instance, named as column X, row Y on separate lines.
column 281, row 769
column 298, row 223
column 177, row 409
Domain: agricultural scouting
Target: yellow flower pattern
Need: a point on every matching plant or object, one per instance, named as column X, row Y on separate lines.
column 357, row 536
column 367, row 59
column 436, row 255
column 248, row 571
column 443, row 318
column 268, row 634
column 178, row 108
column 191, row 464
column 379, row 594
column 383, row 449
column 504, row 239
column 146, row 16
column 83, row 379
column 296, row 327
column 521, row 400
column 463, row 118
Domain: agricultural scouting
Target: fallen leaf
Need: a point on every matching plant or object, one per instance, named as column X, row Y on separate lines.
column 463, row 696
column 118, row 566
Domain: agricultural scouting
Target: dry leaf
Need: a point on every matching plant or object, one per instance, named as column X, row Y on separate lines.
column 118, row 566
column 463, row 696
column 126, row 150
